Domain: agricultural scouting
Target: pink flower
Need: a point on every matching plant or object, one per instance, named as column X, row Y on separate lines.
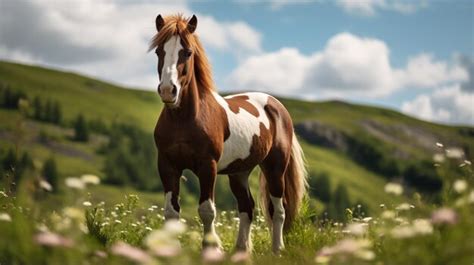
column 212, row 255
column 53, row 240
column 240, row 257
column 130, row 252
column 444, row 216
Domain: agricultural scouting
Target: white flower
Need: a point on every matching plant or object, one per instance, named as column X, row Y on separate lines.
column 87, row 203
column 74, row 183
column 212, row 255
column 118, row 221
column 403, row 231
column 388, row 214
column 90, row 179
column 440, row 145
column 404, row 206
column 460, row 185
column 438, row 158
column 454, row 153
column 45, row 185
column 174, row 227
column 357, row 229
column 422, row 226
column 394, row 188
column 5, row 217
column 163, row 244
column 53, row 240
column 3, row 194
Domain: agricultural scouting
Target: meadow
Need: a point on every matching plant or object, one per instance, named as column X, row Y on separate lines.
column 384, row 188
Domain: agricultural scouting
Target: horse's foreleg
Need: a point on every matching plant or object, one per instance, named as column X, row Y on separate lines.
column 240, row 188
column 207, row 209
column 170, row 177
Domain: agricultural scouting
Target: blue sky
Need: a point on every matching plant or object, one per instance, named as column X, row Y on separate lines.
column 413, row 56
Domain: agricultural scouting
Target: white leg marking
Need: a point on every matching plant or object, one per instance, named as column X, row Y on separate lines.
column 244, row 241
column 170, row 212
column 207, row 213
column 278, row 220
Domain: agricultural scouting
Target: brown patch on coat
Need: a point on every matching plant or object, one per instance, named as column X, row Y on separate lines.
column 238, row 102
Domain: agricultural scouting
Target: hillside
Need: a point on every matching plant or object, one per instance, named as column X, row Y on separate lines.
column 358, row 146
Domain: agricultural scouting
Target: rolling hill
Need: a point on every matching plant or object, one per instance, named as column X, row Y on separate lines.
column 360, row 147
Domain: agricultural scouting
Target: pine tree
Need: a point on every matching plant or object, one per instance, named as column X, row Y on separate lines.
column 48, row 111
column 81, row 130
column 56, row 113
column 37, row 109
column 50, row 173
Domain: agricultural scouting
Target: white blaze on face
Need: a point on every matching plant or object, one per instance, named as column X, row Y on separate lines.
column 169, row 73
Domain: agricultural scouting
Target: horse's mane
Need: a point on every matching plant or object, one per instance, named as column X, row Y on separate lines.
column 176, row 25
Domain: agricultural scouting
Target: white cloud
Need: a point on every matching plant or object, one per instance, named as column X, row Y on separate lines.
column 348, row 66
column 105, row 38
column 448, row 104
column 370, row 7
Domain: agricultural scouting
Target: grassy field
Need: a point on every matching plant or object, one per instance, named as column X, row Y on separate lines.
column 29, row 213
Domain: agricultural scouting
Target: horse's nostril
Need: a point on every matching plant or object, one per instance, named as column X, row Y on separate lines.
column 174, row 90
column 159, row 89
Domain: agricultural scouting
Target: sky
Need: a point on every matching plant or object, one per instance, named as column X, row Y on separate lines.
column 413, row 56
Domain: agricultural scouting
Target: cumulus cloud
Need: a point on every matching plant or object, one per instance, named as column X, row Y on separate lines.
column 449, row 104
column 105, row 38
column 370, row 7
column 349, row 65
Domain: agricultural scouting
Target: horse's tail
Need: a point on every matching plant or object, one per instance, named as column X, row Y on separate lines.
column 295, row 185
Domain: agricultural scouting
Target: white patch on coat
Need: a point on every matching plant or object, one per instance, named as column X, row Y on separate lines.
column 170, row 212
column 278, row 220
column 169, row 73
column 242, row 126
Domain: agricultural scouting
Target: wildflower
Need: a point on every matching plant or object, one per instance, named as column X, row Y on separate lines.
column 87, row 203
column 130, row 252
column 52, row 240
column 100, row 254
column 367, row 219
column 444, row 216
column 440, row 145
column 174, row 227
column 388, row 214
column 454, row 153
column 163, row 244
column 460, row 185
column 357, row 229
column 3, row 194
column 5, row 217
column 467, row 162
column 404, row 231
column 148, row 228
column 212, row 255
column 357, row 247
column 74, row 183
column 394, row 188
column 90, row 179
column 404, row 207
column 240, row 256
column 382, row 205
column 45, row 185
column 73, row 213
column 134, row 225
column 438, row 158
column 422, row 226
column 118, row 221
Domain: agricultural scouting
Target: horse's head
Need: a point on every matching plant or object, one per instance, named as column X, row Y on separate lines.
column 174, row 47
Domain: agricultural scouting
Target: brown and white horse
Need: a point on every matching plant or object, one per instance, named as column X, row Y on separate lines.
column 209, row 135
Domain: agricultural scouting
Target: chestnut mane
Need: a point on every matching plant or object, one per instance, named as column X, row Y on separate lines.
column 176, row 25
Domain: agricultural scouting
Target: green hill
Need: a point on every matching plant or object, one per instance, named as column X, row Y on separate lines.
column 360, row 147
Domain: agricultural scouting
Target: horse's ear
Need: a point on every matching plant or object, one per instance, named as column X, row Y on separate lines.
column 159, row 22
column 192, row 24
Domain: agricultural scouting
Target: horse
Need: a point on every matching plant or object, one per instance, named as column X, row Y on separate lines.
column 208, row 134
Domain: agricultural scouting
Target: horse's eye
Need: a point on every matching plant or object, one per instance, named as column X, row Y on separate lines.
column 188, row 53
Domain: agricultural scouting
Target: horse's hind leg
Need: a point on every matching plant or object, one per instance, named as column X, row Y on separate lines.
column 274, row 168
column 240, row 188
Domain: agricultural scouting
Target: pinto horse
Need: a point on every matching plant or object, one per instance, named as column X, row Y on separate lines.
column 209, row 135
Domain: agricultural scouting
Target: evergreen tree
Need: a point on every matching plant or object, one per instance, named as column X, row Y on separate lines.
column 37, row 109
column 56, row 115
column 340, row 202
column 321, row 187
column 50, row 173
column 48, row 111
column 81, row 130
